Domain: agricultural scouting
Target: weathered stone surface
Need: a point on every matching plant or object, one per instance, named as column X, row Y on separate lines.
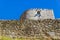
column 46, row 28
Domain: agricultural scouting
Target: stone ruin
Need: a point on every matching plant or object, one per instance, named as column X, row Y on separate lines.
column 37, row 14
column 31, row 26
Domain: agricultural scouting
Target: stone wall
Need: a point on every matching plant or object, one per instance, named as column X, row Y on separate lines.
column 44, row 14
column 30, row 28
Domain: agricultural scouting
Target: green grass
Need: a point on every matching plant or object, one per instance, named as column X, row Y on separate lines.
column 5, row 38
column 8, row 38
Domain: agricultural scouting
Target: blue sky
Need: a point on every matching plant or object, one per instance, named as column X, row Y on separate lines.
column 13, row 9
